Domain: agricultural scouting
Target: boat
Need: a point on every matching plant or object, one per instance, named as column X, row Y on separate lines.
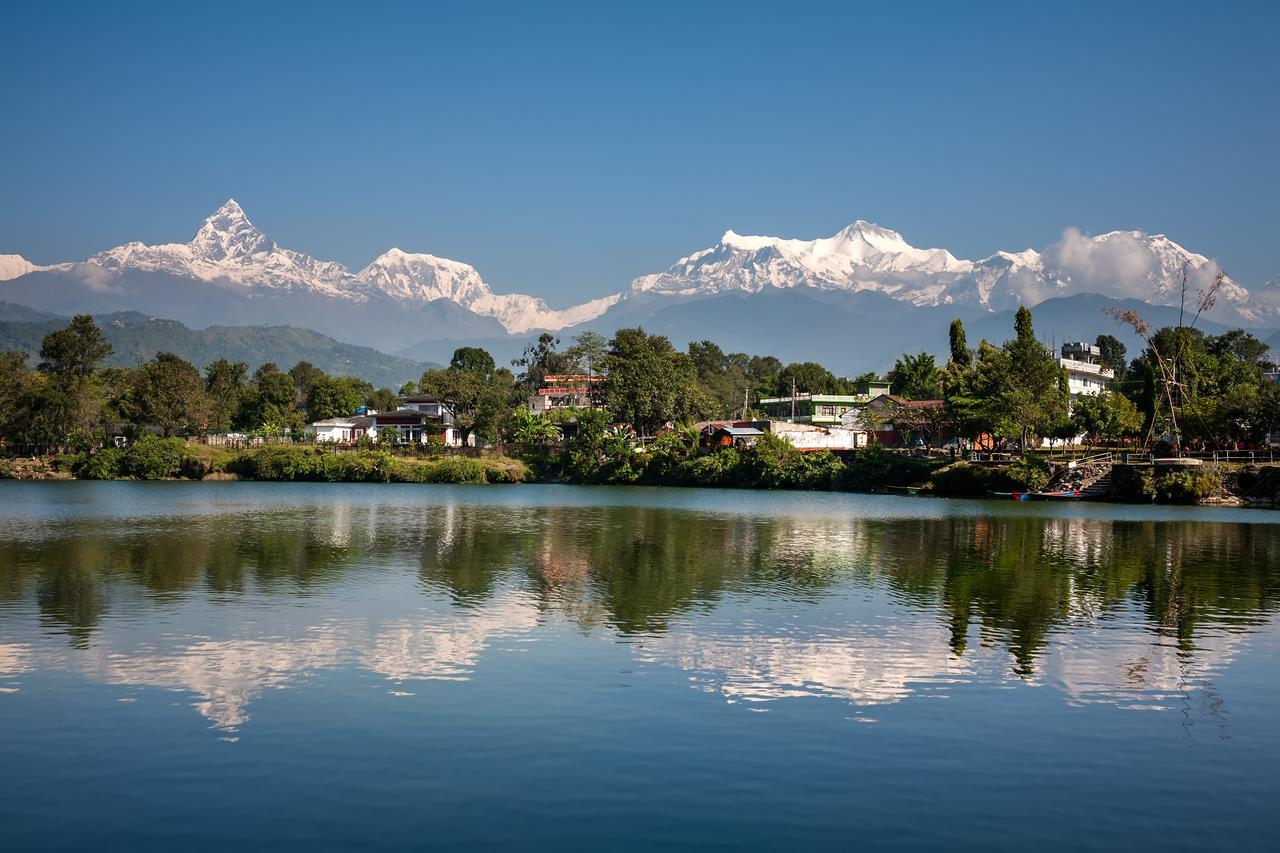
column 1068, row 495
column 1017, row 496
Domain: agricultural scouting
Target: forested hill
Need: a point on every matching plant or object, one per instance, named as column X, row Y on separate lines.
column 136, row 337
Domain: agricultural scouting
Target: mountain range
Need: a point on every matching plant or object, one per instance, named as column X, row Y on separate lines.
column 856, row 285
column 137, row 337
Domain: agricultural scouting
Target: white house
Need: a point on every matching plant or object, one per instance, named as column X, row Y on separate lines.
column 341, row 429
column 1085, row 373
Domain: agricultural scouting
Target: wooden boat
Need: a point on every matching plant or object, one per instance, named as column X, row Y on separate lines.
column 1017, row 496
column 1069, row 495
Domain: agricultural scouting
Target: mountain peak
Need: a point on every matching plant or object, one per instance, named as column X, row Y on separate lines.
column 228, row 233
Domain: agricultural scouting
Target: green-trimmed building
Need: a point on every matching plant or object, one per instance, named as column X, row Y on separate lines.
column 821, row 409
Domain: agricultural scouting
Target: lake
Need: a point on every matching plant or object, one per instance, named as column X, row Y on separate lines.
column 292, row 666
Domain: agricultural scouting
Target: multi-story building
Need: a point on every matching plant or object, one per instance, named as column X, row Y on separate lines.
column 821, row 409
column 1085, row 372
column 567, row 391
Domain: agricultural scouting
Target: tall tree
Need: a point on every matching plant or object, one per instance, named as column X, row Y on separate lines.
column 168, row 392
column 224, row 382
column 73, row 399
column 960, row 355
column 916, row 377
column 477, row 391
column 1113, row 354
column 650, row 382
column 335, row 396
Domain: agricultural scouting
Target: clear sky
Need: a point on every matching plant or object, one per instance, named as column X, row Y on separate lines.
column 565, row 148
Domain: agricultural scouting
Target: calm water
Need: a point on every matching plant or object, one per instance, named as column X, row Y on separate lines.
column 273, row 666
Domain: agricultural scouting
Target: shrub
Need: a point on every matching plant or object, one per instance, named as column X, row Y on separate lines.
column 106, row 464
column 152, row 458
column 6, row 469
column 1185, row 487
column 876, row 467
column 1030, row 473
column 965, row 480
column 279, row 463
column 456, row 469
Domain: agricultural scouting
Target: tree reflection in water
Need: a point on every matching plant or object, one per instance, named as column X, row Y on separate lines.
column 916, row 594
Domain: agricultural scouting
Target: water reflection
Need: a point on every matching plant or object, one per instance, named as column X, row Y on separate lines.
column 755, row 607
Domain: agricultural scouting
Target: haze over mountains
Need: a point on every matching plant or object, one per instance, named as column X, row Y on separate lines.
column 859, row 297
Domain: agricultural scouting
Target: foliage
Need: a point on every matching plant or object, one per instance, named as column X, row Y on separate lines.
column 479, row 392
column 916, row 377
column 151, row 458
column 1031, row 473
column 169, row 393
column 334, row 396
column 650, row 383
column 106, row 464
column 1185, row 487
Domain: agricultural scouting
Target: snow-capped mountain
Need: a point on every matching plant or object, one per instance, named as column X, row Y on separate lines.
column 423, row 278
column 868, row 257
column 228, row 249
column 232, row 273
column 12, row 266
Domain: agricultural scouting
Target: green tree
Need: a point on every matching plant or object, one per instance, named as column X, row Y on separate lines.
column 478, row 392
column 168, row 392
column 916, row 377
column 73, row 398
column 960, row 354
column 588, row 352
column 383, row 400
column 1113, row 354
column 224, row 382
column 334, row 397
column 304, row 374
column 650, row 382
column 810, row 378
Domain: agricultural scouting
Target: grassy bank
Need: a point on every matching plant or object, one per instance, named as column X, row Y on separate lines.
column 173, row 458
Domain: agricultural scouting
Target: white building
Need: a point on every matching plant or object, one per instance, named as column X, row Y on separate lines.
column 341, row 429
column 1085, row 373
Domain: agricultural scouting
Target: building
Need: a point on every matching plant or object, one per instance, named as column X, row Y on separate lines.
column 738, row 435
column 1085, row 373
column 889, row 419
column 340, row 430
column 420, row 419
column 805, row 437
column 821, row 409
column 567, row 391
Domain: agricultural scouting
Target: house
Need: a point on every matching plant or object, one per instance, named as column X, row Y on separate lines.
column 804, row 437
column 888, row 419
column 1085, row 373
column 578, row 390
column 419, row 419
column 721, row 435
column 341, row 430
column 808, row 437
column 821, row 409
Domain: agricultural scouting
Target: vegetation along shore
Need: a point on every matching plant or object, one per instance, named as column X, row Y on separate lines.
column 634, row 409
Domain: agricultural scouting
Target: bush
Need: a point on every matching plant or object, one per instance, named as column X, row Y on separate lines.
column 106, row 464
column 876, row 467
column 965, row 480
column 282, row 463
column 1185, row 487
column 6, row 469
column 1029, row 474
column 457, row 469
column 152, row 458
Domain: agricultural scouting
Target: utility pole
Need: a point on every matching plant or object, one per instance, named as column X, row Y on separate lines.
column 746, row 401
column 793, row 399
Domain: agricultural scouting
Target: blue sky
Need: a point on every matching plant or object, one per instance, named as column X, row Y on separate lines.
column 565, row 148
